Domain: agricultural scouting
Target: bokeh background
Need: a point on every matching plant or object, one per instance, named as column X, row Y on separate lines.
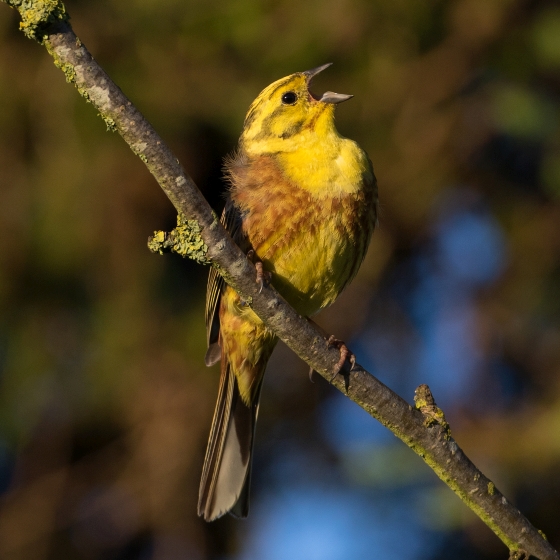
column 105, row 403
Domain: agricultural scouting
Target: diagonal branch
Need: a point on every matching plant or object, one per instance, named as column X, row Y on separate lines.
column 423, row 428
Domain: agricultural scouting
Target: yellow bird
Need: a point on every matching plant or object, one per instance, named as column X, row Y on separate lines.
column 303, row 199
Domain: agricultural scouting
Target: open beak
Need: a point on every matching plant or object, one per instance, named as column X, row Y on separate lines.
column 332, row 97
column 328, row 96
column 309, row 74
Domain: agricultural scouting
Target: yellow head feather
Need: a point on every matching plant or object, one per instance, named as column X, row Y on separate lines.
column 286, row 110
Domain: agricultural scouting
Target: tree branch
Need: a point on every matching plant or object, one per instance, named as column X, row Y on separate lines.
column 423, row 428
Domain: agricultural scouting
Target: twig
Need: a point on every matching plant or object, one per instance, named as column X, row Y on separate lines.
column 423, row 429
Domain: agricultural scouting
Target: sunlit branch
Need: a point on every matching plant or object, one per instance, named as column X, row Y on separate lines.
column 423, row 427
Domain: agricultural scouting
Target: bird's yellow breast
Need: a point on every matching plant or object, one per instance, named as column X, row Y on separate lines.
column 309, row 223
column 344, row 174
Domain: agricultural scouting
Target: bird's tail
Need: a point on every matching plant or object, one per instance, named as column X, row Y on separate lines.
column 227, row 465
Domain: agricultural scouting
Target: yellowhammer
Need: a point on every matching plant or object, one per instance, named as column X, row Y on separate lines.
column 303, row 199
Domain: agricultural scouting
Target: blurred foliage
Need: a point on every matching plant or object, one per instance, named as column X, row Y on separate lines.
column 105, row 403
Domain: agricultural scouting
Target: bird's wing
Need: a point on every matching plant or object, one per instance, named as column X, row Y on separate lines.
column 231, row 220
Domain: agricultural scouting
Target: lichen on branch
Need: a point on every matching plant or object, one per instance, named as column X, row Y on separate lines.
column 38, row 15
column 426, row 404
column 185, row 240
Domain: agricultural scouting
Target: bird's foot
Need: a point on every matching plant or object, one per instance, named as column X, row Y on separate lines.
column 345, row 354
column 263, row 276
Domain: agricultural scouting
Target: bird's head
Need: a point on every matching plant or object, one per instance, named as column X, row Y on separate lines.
column 286, row 109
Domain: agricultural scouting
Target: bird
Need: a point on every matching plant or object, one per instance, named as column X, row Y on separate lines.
column 302, row 203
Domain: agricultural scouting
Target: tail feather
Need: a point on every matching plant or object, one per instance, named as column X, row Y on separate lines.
column 226, row 473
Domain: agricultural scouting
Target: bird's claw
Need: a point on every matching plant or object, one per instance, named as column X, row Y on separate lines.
column 345, row 354
column 263, row 276
column 311, row 372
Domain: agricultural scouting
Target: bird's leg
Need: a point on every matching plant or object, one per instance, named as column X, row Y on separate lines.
column 263, row 276
column 345, row 354
column 333, row 342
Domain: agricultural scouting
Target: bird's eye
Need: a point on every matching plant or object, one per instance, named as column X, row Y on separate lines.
column 289, row 98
